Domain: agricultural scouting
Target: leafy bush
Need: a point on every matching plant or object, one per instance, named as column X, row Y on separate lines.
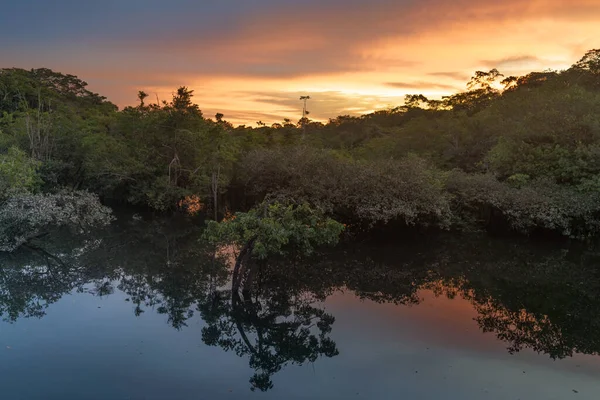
column 536, row 204
column 407, row 190
column 26, row 216
column 271, row 229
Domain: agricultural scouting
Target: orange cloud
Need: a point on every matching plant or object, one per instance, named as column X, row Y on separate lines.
column 350, row 56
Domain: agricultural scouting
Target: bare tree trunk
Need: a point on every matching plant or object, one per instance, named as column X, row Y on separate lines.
column 215, row 189
column 39, row 120
column 38, row 130
column 175, row 165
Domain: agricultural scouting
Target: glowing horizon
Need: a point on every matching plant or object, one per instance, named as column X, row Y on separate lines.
column 253, row 62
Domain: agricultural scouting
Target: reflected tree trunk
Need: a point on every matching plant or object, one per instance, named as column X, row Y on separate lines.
column 251, row 272
column 237, row 308
column 241, row 265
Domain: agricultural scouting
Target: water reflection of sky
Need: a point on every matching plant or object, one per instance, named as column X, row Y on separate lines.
column 88, row 347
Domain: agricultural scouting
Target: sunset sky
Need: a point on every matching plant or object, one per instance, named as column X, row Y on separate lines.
column 252, row 59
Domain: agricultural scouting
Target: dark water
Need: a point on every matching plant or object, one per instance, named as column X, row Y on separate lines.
column 143, row 311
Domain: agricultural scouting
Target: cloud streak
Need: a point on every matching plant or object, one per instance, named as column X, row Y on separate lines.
column 420, row 85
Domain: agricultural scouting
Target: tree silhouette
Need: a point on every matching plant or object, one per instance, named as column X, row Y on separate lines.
column 272, row 327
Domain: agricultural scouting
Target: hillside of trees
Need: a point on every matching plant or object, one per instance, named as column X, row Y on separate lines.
column 513, row 153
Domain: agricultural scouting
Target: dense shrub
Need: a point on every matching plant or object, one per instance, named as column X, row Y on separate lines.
column 536, row 204
column 17, row 173
column 24, row 217
column 407, row 190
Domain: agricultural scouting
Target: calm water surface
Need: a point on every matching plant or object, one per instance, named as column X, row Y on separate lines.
column 143, row 311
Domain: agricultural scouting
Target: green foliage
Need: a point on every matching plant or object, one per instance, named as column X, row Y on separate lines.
column 49, row 115
column 518, row 180
column 18, row 173
column 551, row 133
column 275, row 228
column 537, row 204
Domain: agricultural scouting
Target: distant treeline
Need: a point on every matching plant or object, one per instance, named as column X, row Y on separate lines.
column 522, row 153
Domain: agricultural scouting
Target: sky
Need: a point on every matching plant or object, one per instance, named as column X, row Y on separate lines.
column 252, row 59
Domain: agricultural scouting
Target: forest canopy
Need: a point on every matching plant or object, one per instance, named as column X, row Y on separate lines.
column 517, row 152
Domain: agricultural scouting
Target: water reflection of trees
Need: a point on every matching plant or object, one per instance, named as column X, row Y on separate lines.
column 529, row 296
column 532, row 296
column 162, row 266
column 159, row 265
column 271, row 328
column 545, row 300
column 32, row 278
